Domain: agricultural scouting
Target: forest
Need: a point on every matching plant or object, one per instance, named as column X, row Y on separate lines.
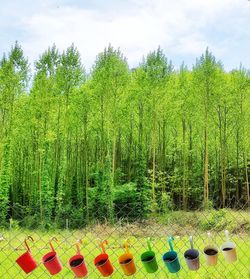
column 148, row 139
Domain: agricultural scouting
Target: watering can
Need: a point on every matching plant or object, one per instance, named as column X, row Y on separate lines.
column 77, row 263
column 170, row 258
column 126, row 261
column 51, row 260
column 102, row 262
column 148, row 259
column 26, row 261
column 229, row 249
column 211, row 252
column 192, row 256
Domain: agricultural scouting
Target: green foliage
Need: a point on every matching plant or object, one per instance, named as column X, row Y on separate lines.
column 102, row 207
column 5, row 177
column 125, row 202
column 125, row 194
column 142, row 190
column 166, row 203
column 157, row 67
column 14, row 224
column 47, row 194
column 70, row 216
column 31, row 222
column 216, row 221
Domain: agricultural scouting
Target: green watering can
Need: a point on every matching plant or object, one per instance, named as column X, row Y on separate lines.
column 148, row 259
column 171, row 258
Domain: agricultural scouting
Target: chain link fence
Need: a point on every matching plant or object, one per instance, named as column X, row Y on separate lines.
column 158, row 227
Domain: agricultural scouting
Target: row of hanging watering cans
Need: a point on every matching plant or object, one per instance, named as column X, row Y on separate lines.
column 191, row 255
column 102, row 262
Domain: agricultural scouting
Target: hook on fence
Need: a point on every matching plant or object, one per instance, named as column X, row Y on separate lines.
column 25, row 241
column 50, row 244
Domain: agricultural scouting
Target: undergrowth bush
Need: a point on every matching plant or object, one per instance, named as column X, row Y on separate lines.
column 216, row 220
column 209, row 220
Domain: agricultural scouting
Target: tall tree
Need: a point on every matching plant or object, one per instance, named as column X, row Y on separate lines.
column 157, row 72
column 206, row 72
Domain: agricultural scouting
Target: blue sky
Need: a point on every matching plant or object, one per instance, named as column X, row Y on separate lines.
column 183, row 28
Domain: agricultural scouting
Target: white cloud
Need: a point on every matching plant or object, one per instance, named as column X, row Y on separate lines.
column 183, row 28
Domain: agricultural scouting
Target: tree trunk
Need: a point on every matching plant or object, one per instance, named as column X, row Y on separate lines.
column 206, row 193
column 246, row 176
column 184, row 167
column 237, row 167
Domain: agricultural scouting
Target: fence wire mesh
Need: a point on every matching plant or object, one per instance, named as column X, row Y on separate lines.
column 178, row 224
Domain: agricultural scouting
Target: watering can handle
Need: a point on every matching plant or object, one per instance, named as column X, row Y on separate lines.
column 209, row 237
column 227, row 235
column 102, row 245
column 79, row 241
column 170, row 239
column 50, row 244
column 126, row 244
column 25, row 242
column 191, row 242
column 149, row 244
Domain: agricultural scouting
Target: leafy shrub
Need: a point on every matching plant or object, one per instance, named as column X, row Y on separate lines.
column 166, row 202
column 125, row 200
column 14, row 224
column 180, row 218
column 124, row 194
column 31, row 221
column 76, row 217
column 217, row 220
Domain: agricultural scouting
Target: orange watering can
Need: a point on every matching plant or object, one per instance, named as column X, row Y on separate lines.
column 126, row 261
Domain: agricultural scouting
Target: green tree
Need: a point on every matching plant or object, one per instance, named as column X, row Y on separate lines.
column 206, row 76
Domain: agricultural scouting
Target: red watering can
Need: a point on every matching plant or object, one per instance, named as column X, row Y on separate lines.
column 26, row 261
column 51, row 260
column 102, row 262
column 77, row 263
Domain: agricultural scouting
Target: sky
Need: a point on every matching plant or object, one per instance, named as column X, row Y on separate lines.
column 183, row 28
